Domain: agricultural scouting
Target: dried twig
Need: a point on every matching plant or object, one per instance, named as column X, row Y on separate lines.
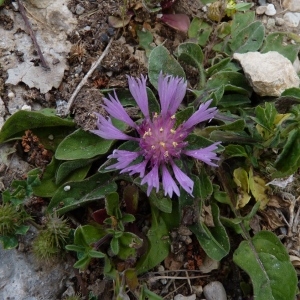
column 32, row 35
column 153, row 279
column 85, row 78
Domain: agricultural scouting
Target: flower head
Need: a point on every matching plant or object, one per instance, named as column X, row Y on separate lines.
column 161, row 142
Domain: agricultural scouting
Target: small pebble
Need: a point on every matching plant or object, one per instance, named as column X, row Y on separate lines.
column 104, row 38
column 271, row 23
column 260, row 10
column 26, row 107
column 279, row 21
column 51, row 137
column 11, row 95
column 214, row 291
column 79, row 10
column 262, row 2
column 87, row 28
column 110, row 31
column 271, row 11
column 197, row 289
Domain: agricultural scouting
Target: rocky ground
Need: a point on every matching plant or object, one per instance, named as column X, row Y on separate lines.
column 72, row 35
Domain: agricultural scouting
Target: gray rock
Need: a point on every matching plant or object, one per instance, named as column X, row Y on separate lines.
column 22, row 278
column 260, row 10
column 270, row 11
column 291, row 5
column 214, row 291
column 79, row 10
column 269, row 73
column 262, row 2
column 292, row 19
column 279, row 21
column 271, row 23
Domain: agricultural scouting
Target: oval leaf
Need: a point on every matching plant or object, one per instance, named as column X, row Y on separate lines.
column 267, row 263
column 160, row 59
column 82, row 145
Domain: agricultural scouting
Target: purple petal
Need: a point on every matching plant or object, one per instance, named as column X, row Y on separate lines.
column 171, row 92
column 202, row 114
column 116, row 110
column 180, row 22
column 108, row 131
column 205, row 154
column 169, row 185
column 137, row 168
column 138, row 90
column 124, row 158
column 152, row 179
column 186, row 182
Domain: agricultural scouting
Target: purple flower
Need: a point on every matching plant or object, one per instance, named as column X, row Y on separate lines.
column 160, row 142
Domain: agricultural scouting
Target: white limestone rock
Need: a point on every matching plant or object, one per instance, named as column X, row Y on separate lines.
column 269, row 73
column 270, row 11
column 292, row 19
column 291, row 5
column 215, row 291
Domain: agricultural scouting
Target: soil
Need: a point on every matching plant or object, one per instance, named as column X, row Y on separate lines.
column 89, row 40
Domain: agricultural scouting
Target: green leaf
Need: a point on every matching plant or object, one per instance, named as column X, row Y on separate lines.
column 68, row 167
column 112, row 204
column 96, row 254
column 82, row 145
column 197, row 142
column 234, row 100
column 276, row 41
column 145, row 39
column 22, row 229
column 237, row 125
column 191, row 54
column 200, row 30
column 75, row 248
column 232, row 81
column 48, row 186
column 205, row 189
column 288, row 161
column 242, row 6
column 249, row 39
column 82, row 263
column 159, row 246
column 81, row 193
column 266, row 116
column 128, row 218
column 218, row 66
column 214, row 241
column 292, row 92
column 161, row 60
column 267, row 263
column 9, row 241
column 221, row 196
column 114, row 245
column 87, row 234
column 241, row 21
column 235, row 151
column 24, row 120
